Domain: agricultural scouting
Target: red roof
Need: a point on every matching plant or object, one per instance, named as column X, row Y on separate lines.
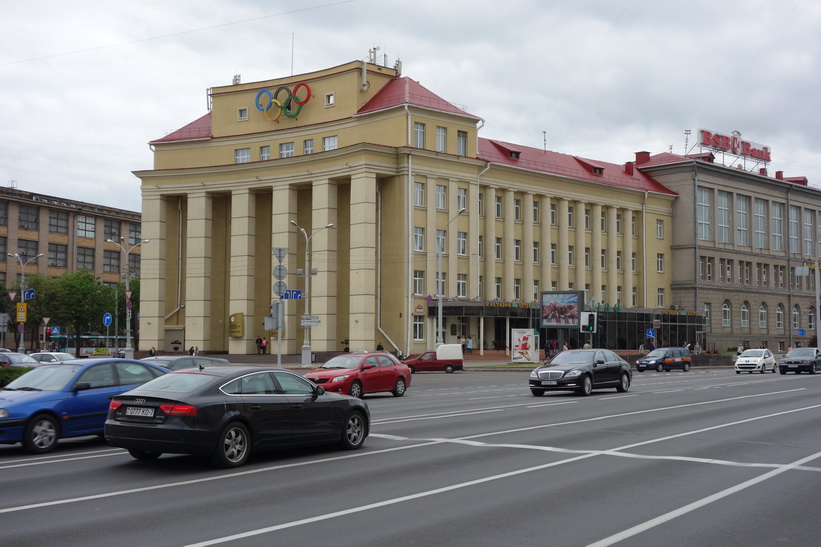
column 565, row 165
column 198, row 129
column 402, row 91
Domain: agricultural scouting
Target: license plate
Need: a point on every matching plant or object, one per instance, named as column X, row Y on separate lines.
column 139, row 411
column 792, row 366
column 549, row 382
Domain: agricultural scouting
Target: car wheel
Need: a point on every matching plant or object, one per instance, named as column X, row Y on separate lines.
column 233, row 446
column 353, row 434
column 537, row 392
column 399, row 390
column 144, row 455
column 686, row 367
column 41, row 434
column 624, row 383
column 660, row 368
column 449, row 369
column 412, row 369
column 763, row 369
column 775, row 368
column 587, row 386
column 356, row 389
column 782, row 370
column 812, row 369
column 640, row 369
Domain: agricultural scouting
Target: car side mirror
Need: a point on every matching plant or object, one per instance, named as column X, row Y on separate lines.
column 367, row 366
column 82, row 386
column 319, row 391
column 599, row 361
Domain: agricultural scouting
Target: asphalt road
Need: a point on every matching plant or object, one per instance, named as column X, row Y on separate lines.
column 697, row 458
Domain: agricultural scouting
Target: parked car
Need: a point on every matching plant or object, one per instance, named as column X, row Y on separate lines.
column 51, row 357
column 798, row 360
column 582, row 371
column 66, row 399
column 14, row 359
column 359, row 373
column 178, row 362
column 447, row 357
column 228, row 412
column 756, row 360
column 665, row 359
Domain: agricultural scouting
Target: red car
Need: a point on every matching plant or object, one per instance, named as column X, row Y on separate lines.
column 359, row 373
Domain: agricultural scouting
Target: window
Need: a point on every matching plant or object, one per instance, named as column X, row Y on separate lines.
column 481, row 246
column 58, row 222
column 242, row 114
column 418, row 327
column 419, row 135
column 111, row 261
column 134, row 264
column 57, row 255
column 286, row 150
column 793, row 220
column 498, row 206
column 308, row 146
column 796, row 318
column 570, row 217
column 570, row 252
column 633, row 225
column 535, row 252
column 707, row 309
column 4, row 213
column 330, row 143
column 462, row 143
column 760, row 224
column 264, row 153
column 660, row 262
column 723, row 208
column 517, row 209
column 618, row 261
column 659, row 229
column 85, row 226
column 618, row 224
column 517, row 289
column 481, row 204
column 441, row 139
column 329, row 100
column 603, row 222
column 660, row 298
column 441, row 197
column 535, row 295
column 461, row 285
column 703, row 214
column 29, row 217
column 85, row 258
column 418, row 239
column 419, row 194
column 779, row 317
column 762, row 316
column 811, row 319
column 535, row 212
column 742, row 220
column 552, row 214
column 462, row 243
column 242, row 155
column 587, row 257
column 777, row 211
column 725, row 314
column 745, row 315
column 27, row 249
column 603, row 259
column 441, row 235
column 587, row 219
column 809, row 228
column 498, row 288
column 461, row 199
column 498, row 248
column 517, row 250
column 3, row 250
column 418, row 282
column 634, row 262
column 111, row 229
column 553, row 254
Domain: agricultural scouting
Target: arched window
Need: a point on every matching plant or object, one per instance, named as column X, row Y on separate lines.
column 725, row 314
column 779, row 317
column 796, row 317
column 745, row 315
column 762, row 316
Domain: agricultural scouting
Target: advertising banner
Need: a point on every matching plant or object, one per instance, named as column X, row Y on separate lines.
column 561, row 308
column 525, row 345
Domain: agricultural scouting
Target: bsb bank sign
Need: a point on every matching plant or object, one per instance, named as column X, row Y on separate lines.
column 734, row 145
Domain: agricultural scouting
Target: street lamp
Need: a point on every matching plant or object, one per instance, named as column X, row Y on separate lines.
column 21, row 348
column 440, row 285
column 306, row 343
column 129, row 351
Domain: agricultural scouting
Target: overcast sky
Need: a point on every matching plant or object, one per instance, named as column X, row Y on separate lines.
column 85, row 85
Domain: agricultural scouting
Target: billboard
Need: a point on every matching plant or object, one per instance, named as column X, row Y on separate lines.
column 561, row 308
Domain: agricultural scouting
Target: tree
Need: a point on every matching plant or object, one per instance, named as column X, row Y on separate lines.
column 81, row 300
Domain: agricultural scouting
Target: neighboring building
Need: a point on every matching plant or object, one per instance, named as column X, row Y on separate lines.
column 740, row 238
column 70, row 234
column 390, row 165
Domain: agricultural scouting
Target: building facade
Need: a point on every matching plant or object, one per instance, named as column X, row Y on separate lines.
column 411, row 191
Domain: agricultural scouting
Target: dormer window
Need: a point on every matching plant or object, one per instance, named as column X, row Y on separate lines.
column 514, row 154
column 598, row 171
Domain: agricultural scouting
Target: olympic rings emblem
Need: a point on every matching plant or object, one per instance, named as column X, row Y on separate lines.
column 290, row 105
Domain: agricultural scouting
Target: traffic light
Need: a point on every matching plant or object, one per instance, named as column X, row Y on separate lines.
column 589, row 321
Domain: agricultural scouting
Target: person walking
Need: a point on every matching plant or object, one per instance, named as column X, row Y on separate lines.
column 259, row 345
column 264, row 345
column 470, row 344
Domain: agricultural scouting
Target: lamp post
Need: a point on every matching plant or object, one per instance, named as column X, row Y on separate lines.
column 21, row 348
column 306, row 342
column 440, row 285
column 129, row 351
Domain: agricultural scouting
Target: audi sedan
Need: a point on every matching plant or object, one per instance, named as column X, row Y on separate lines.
column 226, row 413
column 582, row 371
column 359, row 373
column 756, row 360
column 799, row 360
column 66, row 399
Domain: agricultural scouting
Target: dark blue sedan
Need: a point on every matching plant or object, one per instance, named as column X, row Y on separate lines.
column 69, row 399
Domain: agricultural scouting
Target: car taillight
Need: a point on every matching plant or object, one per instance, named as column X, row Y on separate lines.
column 179, row 410
column 114, row 405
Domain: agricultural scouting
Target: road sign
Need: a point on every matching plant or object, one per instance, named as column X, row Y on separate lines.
column 28, row 294
column 128, row 295
column 55, row 330
column 651, row 333
column 292, row 294
column 21, row 312
column 46, row 320
column 280, row 272
column 309, row 322
column 12, row 295
column 280, row 288
column 801, row 332
column 107, row 319
column 279, row 252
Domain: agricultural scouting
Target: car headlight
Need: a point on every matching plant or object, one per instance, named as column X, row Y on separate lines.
column 534, row 373
column 4, row 413
column 339, row 379
column 572, row 373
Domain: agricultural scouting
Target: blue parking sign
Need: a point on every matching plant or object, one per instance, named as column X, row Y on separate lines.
column 651, row 333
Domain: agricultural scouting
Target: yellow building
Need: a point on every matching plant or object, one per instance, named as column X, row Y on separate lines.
column 390, row 165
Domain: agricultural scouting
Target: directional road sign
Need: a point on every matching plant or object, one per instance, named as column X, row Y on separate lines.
column 28, row 294
column 292, row 294
column 107, row 319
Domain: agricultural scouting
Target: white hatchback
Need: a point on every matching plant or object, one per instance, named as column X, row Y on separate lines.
column 756, row 360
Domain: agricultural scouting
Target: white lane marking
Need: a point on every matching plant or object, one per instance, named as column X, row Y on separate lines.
column 436, row 491
column 52, row 459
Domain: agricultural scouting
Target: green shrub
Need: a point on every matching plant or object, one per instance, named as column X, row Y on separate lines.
column 7, row 374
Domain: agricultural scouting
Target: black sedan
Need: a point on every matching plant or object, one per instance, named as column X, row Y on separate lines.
column 799, row 360
column 582, row 371
column 228, row 412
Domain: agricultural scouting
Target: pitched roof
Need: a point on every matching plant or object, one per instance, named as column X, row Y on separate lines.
column 404, row 91
column 542, row 161
column 196, row 130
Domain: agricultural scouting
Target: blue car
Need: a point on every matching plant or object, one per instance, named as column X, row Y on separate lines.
column 69, row 399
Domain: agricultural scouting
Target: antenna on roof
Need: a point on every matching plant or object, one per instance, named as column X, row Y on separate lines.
column 544, row 138
column 292, row 54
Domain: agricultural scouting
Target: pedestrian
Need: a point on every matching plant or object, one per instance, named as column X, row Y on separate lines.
column 740, row 349
column 470, row 344
column 152, row 352
column 196, row 350
column 259, row 345
column 697, row 348
column 264, row 345
column 641, row 348
column 379, row 347
column 464, row 345
column 191, row 351
column 564, row 347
